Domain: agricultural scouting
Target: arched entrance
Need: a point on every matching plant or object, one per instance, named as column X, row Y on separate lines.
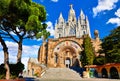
column 114, row 73
column 68, row 54
column 104, row 73
column 32, row 71
column 67, row 62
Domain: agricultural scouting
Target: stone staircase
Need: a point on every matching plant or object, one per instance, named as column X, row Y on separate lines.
column 60, row 74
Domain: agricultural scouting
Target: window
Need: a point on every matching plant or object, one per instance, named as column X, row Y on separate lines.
column 84, row 33
column 56, row 58
column 59, row 35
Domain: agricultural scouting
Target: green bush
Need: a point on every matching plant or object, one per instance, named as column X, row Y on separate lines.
column 2, row 71
column 15, row 69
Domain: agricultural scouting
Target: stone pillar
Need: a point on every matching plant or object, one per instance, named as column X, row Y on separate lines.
column 43, row 51
column 108, row 72
column 109, row 75
column 70, row 61
column 100, row 75
column 119, row 74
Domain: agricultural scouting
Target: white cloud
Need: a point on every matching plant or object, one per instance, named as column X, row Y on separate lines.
column 28, row 51
column 115, row 20
column 54, row 0
column 118, row 13
column 104, row 5
column 25, row 61
column 50, row 28
column 1, row 57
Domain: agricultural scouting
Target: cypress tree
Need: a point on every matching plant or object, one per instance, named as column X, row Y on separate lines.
column 88, row 52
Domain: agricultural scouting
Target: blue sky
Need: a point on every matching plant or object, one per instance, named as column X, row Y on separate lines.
column 103, row 15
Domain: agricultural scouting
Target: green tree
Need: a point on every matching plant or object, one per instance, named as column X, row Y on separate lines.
column 88, row 52
column 21, row 19
column 100, row 60
column 111, row 46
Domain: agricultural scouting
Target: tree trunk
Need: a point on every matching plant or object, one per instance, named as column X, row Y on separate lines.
column 6, row 58
column 7, row 71
column 19, row 55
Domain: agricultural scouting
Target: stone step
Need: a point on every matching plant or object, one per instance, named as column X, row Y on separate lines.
column 61, row 73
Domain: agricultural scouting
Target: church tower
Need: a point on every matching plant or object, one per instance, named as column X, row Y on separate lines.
column 72, row 27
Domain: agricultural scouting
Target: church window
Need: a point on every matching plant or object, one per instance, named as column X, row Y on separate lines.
column 56, row 58
column 59, row 35
column 83, row 27
column 79, row 56
column 61, row 23
column 67, row 23
column 84, row 33
column 73, row 19
column 72, row 31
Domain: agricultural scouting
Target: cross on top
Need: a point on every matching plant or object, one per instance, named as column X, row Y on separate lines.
column 71, row 6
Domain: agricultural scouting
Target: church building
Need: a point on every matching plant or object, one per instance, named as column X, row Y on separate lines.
column 64, row 50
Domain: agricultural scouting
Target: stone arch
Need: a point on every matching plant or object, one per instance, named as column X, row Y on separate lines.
column 69, row 40
column 69, row 54
column 68, row 48
column 69, row 43
column 114, row 73
column 104, row 73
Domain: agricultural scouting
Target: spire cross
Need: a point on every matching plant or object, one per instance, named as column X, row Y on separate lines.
column 71, row 6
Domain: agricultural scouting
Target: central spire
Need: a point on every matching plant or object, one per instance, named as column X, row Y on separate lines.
column 71, row 16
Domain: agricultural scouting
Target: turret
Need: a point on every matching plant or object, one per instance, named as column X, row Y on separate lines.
column 82, row 16
column 88, row 26
column 61, row 19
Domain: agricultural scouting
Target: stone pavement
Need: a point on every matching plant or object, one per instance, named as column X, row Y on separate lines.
column 64, row 74
column 82, row 79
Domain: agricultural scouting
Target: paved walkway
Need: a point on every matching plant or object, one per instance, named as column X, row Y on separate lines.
column 64, row 74
column 82, row 79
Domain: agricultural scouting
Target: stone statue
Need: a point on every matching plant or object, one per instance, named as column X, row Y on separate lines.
column 96, row 34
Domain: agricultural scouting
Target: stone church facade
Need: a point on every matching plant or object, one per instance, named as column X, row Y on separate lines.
column 64, row 50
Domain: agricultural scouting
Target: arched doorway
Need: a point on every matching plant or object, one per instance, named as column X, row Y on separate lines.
column 68, row 54
column 76, row 62
column 114, row 73
column 67, row 62
column 104, row 73
column 32, row 71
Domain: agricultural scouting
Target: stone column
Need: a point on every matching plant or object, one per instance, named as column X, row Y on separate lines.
column 119, row 74
column 108, row 72
column 43, row 53
column 71, row 62
column 109, row 75
column 100, row 75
